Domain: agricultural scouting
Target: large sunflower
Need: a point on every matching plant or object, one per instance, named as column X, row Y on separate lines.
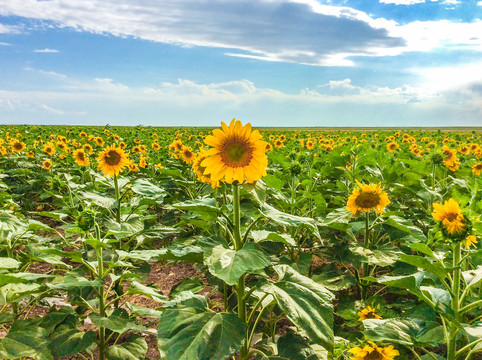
column 450, row 215
column 368, row 197
column 112, row 160
column 81, row 158
column 237, row 154
column 373, row 352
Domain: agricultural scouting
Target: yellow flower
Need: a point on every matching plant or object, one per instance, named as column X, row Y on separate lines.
column 49, row 149
column 81, row 158
column 450, row 215
column 47, row 164
column 392, row 146
column 18, row 146
column 477, row 168
column 237, row 154
column 368, row 313
column 368, row 197
column 470, row 240
column 373, row 352
column 112, row 160
column 187, row 154
column 159, row 166
column 199, row 170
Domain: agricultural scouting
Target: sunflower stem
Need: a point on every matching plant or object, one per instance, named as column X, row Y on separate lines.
column 241, row 286
column 117, row 198
column 365, row 264
column 453, row 330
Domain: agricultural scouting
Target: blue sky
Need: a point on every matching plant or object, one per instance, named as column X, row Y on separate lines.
column 268, row 62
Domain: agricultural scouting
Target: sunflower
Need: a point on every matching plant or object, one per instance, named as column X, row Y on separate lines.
column 392, row 146
column 159, row 166
column 136, row 149
column 477, row 168
column 142, row 162
column 81, row 158
column 88, row 148
column 450, row 215
column 49, row 149
column 187, row 154
column 470, row 240
column 47, row 164
column 99, row 141
column 133, row 167
column 83, row 134
column 237, row 154
column 112, row 160
column 368, row 197
column 310, row 145
column 278, row 143
column 269, row 147
column 30, row 154
column 373, row 352
column 156, row 146
column 18, row 146
column 199, row 170
column 368, row 313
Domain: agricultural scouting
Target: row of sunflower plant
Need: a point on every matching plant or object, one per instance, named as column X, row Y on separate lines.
column 329, row 245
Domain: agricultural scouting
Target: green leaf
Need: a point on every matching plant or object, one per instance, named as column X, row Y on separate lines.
column 201, row 205
column 71, row 341
column 96, row 199
column 263, row 235
column 473, row 277
column 134, row 348
column 192, row 333
column 147, row 189
column 289, row 220
column 229, row 265
column 137, row 288
column 8, row 263
column 192, row 284
column 274, row 182
column 409, row 282
column 425, row 264
column 118, row 321
column 295, row 347
column 307, row 304
column 25, row 340
column 398, row 331
column 405, row 226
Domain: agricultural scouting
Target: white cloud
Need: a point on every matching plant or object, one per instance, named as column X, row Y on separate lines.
column 5, row 44
column 46, row 50
column 339, row 102
column 9, row 29
column 299, row 31
column 402, row 2
column 479, row 3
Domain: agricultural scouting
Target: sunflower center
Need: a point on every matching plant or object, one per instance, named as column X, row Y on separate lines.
column 374, row 355
column 367, row 200
column 236, row 153
column 17, row 146
column 112, row 158
column 80, row 156
column 451, row 216
column 370, row 315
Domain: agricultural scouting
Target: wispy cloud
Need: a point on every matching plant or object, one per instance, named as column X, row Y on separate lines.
column 46, row 50
column 298, row 31
column 9, row 29
column 402, row 2
column 5, row 44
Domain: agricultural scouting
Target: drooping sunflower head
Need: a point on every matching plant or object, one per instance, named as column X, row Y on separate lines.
column 368, row 313
column 112, row 160
column 237, row 154
column 367, row 198
column 81, row 158
column 451, row 217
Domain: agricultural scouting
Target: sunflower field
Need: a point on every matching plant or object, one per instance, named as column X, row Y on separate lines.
column 234, row 243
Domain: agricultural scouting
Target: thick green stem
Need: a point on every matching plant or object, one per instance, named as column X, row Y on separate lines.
column 241, row 286
column 117, row 198
column 365, row 264
column 453, row 330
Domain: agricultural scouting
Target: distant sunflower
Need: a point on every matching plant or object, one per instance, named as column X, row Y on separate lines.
column 199, row 170
column 112, row 160
column 477, row 168
column 88, row 148
column 368, row 313
column 49, row 149
column 278, row 143
column 81, row 158
column 133, row 167
column 47, row 164
column 187, row 155
column 373, row 352
column 451, row 217
column 156, row 146
column 142, row 162
column 30, row 154
column 471, row 239
column 18, row 146
column 237, row 154
column 368, row 197
column 310, row 145
column 99, row 141
column 392, row 146
column 269, row 147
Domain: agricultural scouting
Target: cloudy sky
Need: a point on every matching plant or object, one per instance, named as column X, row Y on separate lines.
column 269, row 62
